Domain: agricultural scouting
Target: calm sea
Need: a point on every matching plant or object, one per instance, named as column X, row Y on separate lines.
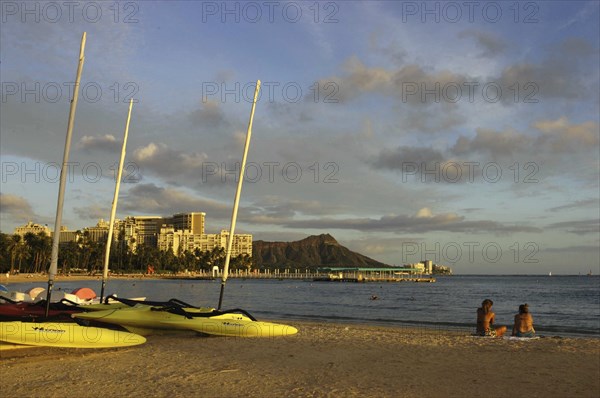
column 561, row 305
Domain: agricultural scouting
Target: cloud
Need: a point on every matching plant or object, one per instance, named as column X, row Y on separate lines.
column 577, row 249
column 562, row 136
column 92, row 212
column 392, row 50
column 432, row 121
column 490, row 44
column 161, row 160
column 548, row 148
column 107, row 143
column 595, row 203
column 150, row 199
column 563, row 74
column 209, row 114
column 16, row 208
column 491, row 142
column 279, row 210
column 379, row 246
column 359, row 79
column 581, row 227
column 558, row 136
column 423, row 222
column 399, row 158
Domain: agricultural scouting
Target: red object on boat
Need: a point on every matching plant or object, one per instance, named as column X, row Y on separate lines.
column 29, row 311
column 85, row 293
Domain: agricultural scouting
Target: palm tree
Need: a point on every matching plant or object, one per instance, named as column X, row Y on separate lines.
column 4, row 253
column 40, row 247
column 216, row 257
column 13, row 249
column 243, row 261
column 68, row 256
column 22, row 254
column 45, row 246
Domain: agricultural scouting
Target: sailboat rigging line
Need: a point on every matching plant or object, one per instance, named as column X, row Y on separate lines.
column 132, row 303
column 238, row 192
column 63, row 177
column 191, row 315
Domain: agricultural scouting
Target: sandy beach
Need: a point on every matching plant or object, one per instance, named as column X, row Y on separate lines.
column 43, row 278
column 322, row 360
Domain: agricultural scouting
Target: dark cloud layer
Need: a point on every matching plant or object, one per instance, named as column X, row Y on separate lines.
column 422, row 223
column 580, row 227
column 16, row 208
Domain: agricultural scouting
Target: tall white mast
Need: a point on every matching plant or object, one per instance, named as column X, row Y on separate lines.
column 238, row 192
column 113, row 210
column 63, row 178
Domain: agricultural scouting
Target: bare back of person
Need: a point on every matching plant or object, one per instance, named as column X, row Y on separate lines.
column 485, row 322
column 523, row 325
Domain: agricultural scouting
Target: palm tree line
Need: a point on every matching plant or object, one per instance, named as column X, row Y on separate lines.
column 31, row 253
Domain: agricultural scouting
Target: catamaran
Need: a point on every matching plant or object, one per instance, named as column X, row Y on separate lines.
column 60, row 334
column 144, row 318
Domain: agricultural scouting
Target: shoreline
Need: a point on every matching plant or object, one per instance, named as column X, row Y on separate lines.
column 323, row 359
column 24, row 278
column 16, row 282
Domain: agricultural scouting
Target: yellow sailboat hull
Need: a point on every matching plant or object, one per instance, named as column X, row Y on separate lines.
column 145, row 320
column 219, row 326
column 70, row 335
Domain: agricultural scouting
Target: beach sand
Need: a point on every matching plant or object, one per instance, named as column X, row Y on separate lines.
column 42, row 279
column 322, row 360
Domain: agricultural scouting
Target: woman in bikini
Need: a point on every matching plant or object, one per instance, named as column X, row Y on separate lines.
column 485, row 321
column 523, row 326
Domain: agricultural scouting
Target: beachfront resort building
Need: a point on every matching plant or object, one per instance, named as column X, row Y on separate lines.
column 179, row 233
column 141, row 230
column 180, row 241
column 68, row 236
column 33, row 228
column 193, row 222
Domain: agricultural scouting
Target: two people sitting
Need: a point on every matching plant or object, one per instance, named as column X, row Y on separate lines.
column 523, row 325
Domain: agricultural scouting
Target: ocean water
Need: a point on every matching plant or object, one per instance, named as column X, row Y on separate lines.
column 560, row 305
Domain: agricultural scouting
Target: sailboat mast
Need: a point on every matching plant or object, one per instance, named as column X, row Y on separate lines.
column 113, row 210
column 63, row 178
column 238, row 193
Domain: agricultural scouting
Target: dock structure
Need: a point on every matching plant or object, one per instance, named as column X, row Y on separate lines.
column 337, row 274
column 357, row 275
column 373, row 279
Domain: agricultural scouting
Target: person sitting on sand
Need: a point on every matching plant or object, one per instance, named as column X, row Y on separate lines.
column 485, row 321
column 523, row 326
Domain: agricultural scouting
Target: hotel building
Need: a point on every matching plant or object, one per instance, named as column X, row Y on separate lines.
column 179, row 233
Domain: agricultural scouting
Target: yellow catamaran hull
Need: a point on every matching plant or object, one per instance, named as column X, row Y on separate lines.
column 70, row 335
column 143, row 319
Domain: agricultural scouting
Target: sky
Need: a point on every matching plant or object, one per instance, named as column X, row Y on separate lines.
column 466, row 133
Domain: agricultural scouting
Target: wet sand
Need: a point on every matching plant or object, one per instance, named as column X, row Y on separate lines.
column 322, row 360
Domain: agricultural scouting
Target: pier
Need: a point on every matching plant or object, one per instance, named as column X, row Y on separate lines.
column 374, row 279
column 351, row 275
